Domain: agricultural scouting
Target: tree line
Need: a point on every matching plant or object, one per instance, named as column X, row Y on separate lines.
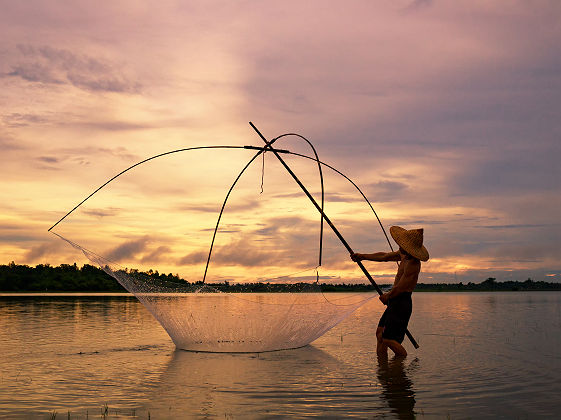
column 88, row 278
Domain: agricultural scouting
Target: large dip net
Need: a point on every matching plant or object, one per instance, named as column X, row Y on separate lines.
column 203, row 318
column 241, row 299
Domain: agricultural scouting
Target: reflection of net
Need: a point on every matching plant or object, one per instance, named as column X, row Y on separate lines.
column 199, row 317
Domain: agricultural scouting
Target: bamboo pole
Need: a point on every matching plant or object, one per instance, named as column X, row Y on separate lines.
column 327, row 220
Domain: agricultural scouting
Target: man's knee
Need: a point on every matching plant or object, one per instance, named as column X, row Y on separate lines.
column 396, row 347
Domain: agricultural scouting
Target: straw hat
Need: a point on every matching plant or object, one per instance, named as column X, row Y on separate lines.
column 411, row 241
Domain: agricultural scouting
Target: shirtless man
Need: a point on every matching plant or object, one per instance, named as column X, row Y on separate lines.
column 393, row 323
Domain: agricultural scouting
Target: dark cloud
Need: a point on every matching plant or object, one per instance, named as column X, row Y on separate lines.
column 18, row 120
column 417, row 5
column 128, row 250
column 244, row 253
column 513, row 226
column 49, row 163
column 37, row 252
column 22, row 120
column 157, row 255
column 7, row 144
column 245, row 205
column 48, row 159
column 84, row 155
column 221, row 230
column 14, row 232
column 522, row 252
column 409, row 223
column 342, row 198
column 43, row 250
column 329, row 197
column 58, row 66
column 11, row 238
column 513, row 172
column 193, row 258
column 290, row 241
column 111, row 125
column 385, row 191
column 102, row 212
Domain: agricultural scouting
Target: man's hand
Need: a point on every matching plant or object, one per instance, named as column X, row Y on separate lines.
column 384, row 298
column 356, row 257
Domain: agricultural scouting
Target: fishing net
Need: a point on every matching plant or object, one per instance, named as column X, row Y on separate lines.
column 200, row 317
column 263, row 313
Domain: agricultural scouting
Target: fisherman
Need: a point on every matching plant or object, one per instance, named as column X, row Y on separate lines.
column 393, row 323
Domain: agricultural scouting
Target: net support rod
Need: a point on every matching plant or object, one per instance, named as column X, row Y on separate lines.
column 327, row 220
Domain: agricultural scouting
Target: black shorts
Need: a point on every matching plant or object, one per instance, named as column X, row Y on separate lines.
column 396, row 317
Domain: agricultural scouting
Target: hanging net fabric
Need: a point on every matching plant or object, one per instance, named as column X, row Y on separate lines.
column 202, row 317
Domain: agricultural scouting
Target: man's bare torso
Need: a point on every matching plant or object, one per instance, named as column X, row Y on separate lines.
column 407, row 272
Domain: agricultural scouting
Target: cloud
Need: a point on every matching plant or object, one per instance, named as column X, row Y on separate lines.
column 193, row 258
column 447, row 104
column 48, row 163
column 237, row 207
column 386, row 191
column 43, row 250
column 513, row 226
column 246, row 254
column 111, row 211
column 128, row 250
column 417, row 5
column 157, row 255
column 108, row 125
column 48, row 159
column 84, row 155
column 7, row 144
column 17, row 119
column 37, row 252
column 329, row 196
column 51, row 65
column 278, row 241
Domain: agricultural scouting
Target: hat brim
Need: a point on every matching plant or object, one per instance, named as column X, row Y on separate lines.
column 399, row 234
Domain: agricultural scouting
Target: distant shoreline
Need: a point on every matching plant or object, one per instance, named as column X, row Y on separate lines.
column 131, row 295
column 45, row 279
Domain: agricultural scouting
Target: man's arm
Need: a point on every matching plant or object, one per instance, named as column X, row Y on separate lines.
column 377, row 256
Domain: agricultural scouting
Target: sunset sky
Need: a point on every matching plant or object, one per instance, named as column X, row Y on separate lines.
column 445, row 113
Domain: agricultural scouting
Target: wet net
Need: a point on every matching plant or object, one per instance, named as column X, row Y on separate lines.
column 255, row 315
column 201, row 317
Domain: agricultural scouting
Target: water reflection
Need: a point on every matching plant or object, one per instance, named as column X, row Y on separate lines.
column 397, row 387
column 271, row 384
column 77, row 354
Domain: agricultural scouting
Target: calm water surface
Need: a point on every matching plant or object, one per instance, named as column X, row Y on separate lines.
column 482, row 355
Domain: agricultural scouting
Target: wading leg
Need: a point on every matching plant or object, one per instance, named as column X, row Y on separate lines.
column 381, row 347
column 397, row 348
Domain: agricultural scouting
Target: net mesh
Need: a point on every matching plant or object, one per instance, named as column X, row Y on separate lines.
column 200, row 317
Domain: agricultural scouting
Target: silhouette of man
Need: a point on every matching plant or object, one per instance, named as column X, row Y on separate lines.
column 393, row 323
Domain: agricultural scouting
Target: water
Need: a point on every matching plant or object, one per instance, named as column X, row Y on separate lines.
column 482, row 355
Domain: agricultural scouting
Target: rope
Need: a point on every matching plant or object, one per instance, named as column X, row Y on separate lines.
column 262, row 173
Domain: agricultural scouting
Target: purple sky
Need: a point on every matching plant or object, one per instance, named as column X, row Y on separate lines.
column 447, row 114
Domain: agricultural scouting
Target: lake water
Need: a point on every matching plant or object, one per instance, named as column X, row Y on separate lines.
column 482, row 355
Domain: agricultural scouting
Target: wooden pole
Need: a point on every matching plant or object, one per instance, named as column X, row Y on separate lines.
column 327, row 220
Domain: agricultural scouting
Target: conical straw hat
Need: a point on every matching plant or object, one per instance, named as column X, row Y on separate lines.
column 411, row 241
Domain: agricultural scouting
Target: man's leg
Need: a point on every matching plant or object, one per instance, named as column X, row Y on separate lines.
column 381, row 347
column 397, row 348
